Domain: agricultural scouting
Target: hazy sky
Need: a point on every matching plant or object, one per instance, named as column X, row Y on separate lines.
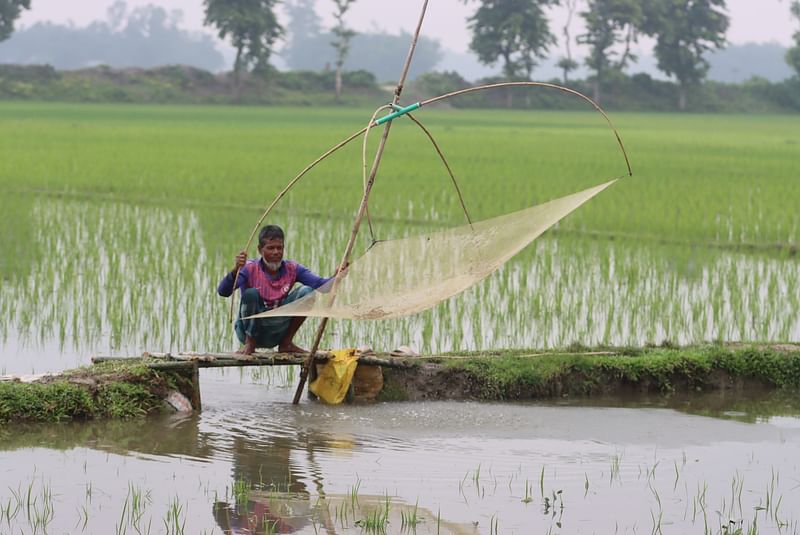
column 751, row 20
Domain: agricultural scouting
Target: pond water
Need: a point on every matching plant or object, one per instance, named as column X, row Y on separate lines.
column 83, row 278
column 253, row 463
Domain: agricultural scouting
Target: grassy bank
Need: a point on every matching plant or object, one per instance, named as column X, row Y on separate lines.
column 516, row 376
column 108, row 390
column 126, row 389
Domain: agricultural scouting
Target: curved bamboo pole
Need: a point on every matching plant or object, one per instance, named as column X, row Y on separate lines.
column 447, row 166
column 536, row 84
column 364, row 165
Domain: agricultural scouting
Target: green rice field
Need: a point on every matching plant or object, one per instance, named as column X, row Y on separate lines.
column 119, row 220
column 123, row 218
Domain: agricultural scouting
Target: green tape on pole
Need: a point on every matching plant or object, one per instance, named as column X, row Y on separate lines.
column 398, row 113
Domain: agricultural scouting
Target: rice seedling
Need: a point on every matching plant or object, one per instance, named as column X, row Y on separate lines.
column 175, row 518
column 353, row 495
column 677, row 475
column 409, row 519
column 376, row 519
column 659, row 517
column 476, row 476
column 270, row 526
column 241, row 492
column 528, row 498
column 83, row 517
column 494, row 525
column 616, row 459
column 541, row 482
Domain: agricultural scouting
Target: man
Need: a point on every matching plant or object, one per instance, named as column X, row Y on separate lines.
column 264, row 284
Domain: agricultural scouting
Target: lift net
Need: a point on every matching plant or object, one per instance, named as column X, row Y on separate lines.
column 405, row 276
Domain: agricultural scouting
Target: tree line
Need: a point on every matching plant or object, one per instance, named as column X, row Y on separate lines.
column 515, row 33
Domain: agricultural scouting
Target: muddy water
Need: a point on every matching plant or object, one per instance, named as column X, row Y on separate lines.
column 614, row 466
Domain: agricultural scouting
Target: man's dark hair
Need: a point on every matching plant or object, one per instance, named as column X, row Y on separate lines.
column 270, row 232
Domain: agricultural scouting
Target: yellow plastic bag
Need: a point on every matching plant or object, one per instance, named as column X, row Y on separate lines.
column 333, row 381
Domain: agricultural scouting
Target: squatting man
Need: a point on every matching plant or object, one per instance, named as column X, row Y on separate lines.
column 265, row 283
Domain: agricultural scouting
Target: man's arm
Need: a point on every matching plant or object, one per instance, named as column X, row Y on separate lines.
column 225, row 287
column 309, row 278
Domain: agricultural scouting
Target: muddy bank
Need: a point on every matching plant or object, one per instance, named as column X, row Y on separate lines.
column 107, row 390
column 140, row 386
column 588, row 373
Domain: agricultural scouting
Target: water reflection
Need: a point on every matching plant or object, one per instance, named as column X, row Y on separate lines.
column 263, row 512
column 252, row 461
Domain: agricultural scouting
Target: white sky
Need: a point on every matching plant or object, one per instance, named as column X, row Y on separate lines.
column 751, row 20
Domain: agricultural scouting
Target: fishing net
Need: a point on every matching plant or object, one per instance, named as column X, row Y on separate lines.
column 405, row 276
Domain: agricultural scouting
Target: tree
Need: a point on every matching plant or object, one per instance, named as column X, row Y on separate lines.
column 793, row 54
column 685, row 30
column 514, row 31
column 147, row 36
column 252, row 26
column 379, row 53
column 341, row 42
column 609, row 23
column 303, row 27
column 9, row 12
column 566, row 63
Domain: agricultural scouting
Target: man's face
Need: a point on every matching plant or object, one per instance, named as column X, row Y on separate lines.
column 271, row 251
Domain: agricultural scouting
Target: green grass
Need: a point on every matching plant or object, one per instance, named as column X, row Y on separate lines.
column 47, row 403
column 654, row 370
column 727, row 179
column 110, row 390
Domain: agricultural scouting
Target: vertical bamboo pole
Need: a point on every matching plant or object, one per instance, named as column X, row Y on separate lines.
column 364, row 201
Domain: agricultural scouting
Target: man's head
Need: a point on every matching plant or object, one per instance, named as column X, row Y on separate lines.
column 270, row 246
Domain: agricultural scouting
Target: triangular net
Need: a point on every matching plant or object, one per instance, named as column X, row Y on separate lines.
column 405, row 276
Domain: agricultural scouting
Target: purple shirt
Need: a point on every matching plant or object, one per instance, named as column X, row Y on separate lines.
column 303, row 275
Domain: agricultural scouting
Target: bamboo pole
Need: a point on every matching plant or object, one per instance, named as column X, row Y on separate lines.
column 364, row 201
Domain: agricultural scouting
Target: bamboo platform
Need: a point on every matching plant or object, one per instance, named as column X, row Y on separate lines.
column 169, row 361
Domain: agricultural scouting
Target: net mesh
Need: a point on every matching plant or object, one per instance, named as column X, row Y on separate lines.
column 400, row 277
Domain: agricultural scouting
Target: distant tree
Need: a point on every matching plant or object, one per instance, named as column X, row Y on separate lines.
column 793, row 54
column 9, row 12
column 566, row 63
column 685, row 30
column 341, row 42
column 609, row 23
column 252, row 27
column 147, row 36
column 379, row 53
column 514, row 31
column 304, row 26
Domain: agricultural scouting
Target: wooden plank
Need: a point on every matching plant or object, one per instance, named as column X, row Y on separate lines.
column 167, row 361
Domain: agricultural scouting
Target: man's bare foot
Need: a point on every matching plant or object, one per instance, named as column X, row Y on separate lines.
column 249, row 347
column 291, row 348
